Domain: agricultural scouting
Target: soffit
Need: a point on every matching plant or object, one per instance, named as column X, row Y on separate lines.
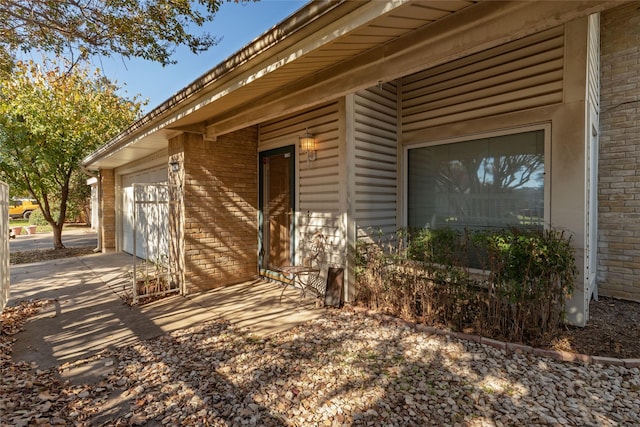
column 296, row 64
column 340, row 33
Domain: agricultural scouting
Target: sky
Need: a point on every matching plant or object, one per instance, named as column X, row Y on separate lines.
column 237, row 24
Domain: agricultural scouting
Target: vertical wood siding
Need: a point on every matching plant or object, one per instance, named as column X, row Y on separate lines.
column 523, row 74
column 146, row 176
column 376, row 159
column 318, row 192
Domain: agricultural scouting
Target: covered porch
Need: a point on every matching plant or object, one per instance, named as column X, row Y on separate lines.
column 92, row 317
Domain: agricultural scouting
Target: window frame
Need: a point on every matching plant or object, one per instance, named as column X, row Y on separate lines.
column 545, row 127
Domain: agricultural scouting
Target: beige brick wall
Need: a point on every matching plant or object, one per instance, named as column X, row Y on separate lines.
column 107, row 210
column 176, row 207
column 220, row 188
column 619, row 168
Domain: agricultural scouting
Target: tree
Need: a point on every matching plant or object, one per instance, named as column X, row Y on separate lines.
column 50, row 118
column 148, row 29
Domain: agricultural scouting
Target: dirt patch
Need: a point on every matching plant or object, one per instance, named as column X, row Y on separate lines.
column 613, row 330
column 37, row 255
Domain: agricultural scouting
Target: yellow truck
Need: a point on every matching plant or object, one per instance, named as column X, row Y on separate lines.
column 22, row 208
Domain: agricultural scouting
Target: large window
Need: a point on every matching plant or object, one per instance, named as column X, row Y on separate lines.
column 478, row 184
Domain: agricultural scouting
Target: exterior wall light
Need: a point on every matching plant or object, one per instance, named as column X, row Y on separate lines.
column 175, row 166
column 308, row 145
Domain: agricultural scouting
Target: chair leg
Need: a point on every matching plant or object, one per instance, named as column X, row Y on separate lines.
column 284, row 286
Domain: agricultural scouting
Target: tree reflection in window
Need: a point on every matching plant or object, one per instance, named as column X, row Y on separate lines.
column 483, row 183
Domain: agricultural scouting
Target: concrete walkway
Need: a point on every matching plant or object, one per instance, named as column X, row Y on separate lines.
column 88, row 314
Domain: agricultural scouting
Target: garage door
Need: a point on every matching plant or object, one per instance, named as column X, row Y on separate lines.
column 149, row 218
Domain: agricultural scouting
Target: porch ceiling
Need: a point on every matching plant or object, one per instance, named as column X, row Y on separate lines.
column 333, row 43
column 328, row 49
column 335, row 32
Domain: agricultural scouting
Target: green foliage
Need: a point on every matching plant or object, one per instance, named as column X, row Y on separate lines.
column 129, row 28
column 37, row 218
column 532, row 271
column 79, row 203
column 517, row 288
column 50, row 118
column 42, row 227
column 441, row 246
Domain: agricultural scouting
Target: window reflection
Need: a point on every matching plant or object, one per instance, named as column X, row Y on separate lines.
column 484, row 183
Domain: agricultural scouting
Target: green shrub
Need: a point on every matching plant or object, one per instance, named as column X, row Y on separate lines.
column 437, row 276
column 531, row 274
column 37, row 217
column 441, row 246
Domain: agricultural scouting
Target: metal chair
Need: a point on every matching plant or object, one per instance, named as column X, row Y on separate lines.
column 308, row 275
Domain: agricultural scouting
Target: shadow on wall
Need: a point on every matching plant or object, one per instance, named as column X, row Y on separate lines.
column 221, row 198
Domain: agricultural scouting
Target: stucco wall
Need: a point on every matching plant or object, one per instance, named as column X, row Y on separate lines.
column 619, row 174
column 219, row 210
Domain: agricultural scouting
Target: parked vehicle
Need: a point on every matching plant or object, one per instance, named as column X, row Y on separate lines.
column 22, row 208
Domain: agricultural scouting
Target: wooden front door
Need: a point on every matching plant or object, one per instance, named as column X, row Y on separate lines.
column 276, row 205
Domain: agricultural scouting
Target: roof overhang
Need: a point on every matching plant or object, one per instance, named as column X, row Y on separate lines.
column 326, row 50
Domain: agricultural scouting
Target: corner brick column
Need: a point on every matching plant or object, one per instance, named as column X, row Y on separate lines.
column 219, row 208
column 176, row 208
column 107, row 210
column 619, row 156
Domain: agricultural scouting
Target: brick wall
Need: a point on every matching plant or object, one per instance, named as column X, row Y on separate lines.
column 220, row 188
column 619, row 168
column 176, row 207
column 107, row 210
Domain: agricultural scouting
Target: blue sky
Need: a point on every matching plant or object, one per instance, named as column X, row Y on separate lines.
column 236, row 23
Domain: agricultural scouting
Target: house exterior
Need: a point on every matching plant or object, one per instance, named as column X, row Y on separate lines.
column 476, row 114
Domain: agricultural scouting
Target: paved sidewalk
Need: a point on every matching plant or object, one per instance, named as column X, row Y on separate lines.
column 88, row 315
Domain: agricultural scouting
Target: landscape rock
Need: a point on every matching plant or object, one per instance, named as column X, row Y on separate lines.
column 344, row 369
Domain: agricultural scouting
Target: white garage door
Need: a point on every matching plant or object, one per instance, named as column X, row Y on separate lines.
column 152, row 220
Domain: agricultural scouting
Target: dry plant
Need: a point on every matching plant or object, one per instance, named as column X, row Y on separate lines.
column 509, row 283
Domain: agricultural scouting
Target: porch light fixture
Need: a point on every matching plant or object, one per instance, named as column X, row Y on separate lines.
column 175, row 166
column 308, row 145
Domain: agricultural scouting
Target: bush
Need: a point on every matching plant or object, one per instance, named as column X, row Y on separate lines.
column 531, row 274
column 37, row 218
column 442, row 246
column 510, row 283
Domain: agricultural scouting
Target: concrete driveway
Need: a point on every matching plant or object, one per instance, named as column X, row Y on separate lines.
column 89, row 315
column 72, row 236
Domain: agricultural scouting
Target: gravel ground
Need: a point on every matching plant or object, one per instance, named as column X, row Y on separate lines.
column 344, row 369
